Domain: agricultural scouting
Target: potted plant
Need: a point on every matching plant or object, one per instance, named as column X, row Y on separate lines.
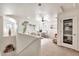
column 25, row 26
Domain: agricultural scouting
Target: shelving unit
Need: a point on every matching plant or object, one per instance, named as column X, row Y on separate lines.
column 67, row 31
column 68, row 34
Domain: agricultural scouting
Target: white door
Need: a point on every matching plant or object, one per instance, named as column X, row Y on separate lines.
column 69, row 32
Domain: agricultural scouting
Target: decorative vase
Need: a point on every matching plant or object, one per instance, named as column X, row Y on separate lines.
column 25, row 26
column 9, row 32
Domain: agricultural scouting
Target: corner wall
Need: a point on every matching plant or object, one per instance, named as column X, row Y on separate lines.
column 1, row 31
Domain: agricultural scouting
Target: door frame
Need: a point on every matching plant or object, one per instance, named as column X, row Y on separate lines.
column 74, row 34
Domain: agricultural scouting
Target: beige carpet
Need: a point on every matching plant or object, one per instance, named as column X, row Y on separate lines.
column 48, row 48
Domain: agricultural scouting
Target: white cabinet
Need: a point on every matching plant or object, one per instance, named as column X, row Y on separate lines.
column 28, row 45
column 68, row 29
column 69, row 32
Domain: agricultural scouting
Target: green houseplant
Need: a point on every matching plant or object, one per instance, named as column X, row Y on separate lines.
column 25, row 26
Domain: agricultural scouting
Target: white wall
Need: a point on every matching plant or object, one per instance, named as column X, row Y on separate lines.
column 1, row 31
column 68, row 14
column 20, row 27
column 54, row 30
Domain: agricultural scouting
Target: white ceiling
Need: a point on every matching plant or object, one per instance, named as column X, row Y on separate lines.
column 32, row 9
